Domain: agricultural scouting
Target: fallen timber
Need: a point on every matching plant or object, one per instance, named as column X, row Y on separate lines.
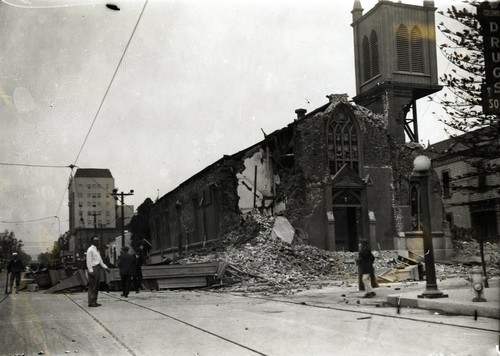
column 190, row 275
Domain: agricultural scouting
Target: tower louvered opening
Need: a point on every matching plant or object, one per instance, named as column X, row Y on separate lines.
column 366, row 59
column 374, row 53
column 403, row 49
column 417, row 50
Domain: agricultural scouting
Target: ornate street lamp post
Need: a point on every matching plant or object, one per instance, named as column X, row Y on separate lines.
column 421, row 167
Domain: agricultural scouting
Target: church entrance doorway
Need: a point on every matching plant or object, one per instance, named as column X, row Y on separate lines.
column 347, row 211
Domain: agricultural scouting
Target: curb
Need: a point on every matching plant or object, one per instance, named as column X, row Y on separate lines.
column 485, row 310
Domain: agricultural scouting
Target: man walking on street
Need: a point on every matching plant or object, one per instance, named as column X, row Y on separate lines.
column 15, row 268
column 126, row 264
column 365, row 262
column 94, row 265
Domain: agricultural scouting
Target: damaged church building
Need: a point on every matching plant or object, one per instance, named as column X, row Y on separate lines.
column 340, row 173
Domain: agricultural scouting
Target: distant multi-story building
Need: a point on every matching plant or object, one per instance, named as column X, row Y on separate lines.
column 92, row 208
column 90, row 201
column 465, row 167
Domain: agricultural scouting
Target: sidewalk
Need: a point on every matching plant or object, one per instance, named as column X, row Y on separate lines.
column 458, row 302
column 405, row 295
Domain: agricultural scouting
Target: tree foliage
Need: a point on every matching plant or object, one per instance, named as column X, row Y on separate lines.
column 10, row 244
column 477, row 141
column 465, row 72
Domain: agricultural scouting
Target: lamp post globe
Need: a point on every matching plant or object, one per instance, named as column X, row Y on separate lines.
column 421, row 164
column 421, row 168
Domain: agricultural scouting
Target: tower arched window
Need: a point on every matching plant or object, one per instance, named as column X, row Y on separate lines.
column 367, row 73
column 403, row 49
column 374, row 53
column 417, row 50
column 342, row 142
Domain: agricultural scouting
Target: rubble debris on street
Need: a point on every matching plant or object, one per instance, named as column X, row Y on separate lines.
column 259, row 262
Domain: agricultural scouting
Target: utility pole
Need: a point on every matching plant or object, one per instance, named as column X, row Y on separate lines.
column 121, row 197
column 94, row 214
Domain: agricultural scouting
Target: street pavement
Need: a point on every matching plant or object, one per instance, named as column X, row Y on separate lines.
column 329, row 319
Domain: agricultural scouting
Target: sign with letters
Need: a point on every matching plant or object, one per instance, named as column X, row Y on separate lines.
column 488, row 15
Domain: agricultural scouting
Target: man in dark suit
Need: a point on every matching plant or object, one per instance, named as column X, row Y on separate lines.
column 126, row 264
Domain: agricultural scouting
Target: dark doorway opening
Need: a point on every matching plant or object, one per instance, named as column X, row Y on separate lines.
column 347, row 228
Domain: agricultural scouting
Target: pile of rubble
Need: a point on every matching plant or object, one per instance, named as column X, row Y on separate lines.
column 260, row 263
column 467, row 254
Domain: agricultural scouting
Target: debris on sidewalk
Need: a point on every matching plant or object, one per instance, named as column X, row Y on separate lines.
column 259, row 262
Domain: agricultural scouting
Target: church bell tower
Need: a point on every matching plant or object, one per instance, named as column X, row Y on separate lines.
column 395, row 61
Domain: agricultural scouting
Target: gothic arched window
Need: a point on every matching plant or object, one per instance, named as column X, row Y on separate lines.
column 343, row 142
column 374, row 53
column 417, row 50
column 416, row 218
column 367, row 74
column 403, row 49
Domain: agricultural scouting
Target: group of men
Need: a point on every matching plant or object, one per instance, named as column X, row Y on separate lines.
column 130, row 267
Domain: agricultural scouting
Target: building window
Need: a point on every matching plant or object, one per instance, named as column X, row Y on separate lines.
column 93, row 195
column 416, row 217
column 343, row 142
column 80, row 195
column 370, row 56
column 366, row 59
column 89, row 195
column 482, row 187
column 403, row 49
column 108, row 213
column 80, row 213
column 417, row 50
column 88, row 186
column 410, row 49
column 374, row 53
column 449, row 218
column 445, row 177
column 98, row 195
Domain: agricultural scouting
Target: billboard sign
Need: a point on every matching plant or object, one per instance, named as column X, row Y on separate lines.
column 488, row 14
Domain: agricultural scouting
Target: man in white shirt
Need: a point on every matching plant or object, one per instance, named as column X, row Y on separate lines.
column 94, row 265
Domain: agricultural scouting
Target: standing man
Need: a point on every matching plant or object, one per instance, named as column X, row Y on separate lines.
column 15, row 268
column 139, row 261
column 126, row 264
column 365, row 262
column 94, row 265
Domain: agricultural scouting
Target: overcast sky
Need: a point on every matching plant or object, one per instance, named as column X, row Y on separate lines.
column 199, row 79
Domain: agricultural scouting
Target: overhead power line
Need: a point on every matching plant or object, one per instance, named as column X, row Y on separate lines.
column 36, row 165
column 111, row 82
column 26, row 221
